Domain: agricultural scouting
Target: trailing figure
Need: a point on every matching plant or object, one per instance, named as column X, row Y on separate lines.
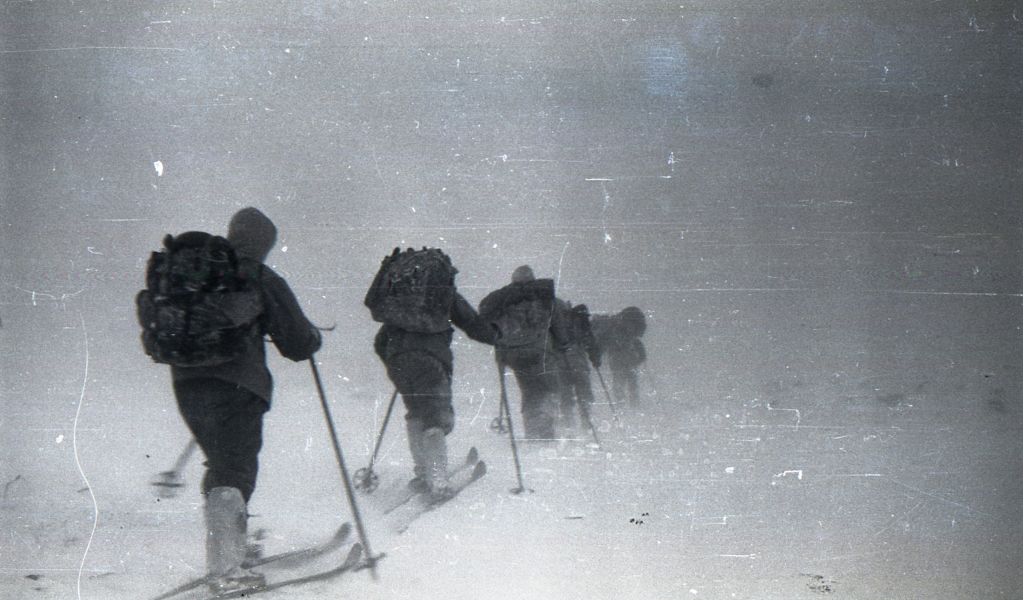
column 531, row 337
column 618, row 336
column 207, row 305
column 415, row 297
column 577, row 356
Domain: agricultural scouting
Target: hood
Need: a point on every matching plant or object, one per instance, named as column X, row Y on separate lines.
column 523, row 274
column 251, row 234
column 634, row 320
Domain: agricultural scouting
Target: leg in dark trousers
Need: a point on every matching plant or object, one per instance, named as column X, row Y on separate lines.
column 426, row 389
column 539, row 387
column 227, row 422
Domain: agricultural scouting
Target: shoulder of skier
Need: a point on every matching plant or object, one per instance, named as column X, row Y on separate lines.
column 295, row 337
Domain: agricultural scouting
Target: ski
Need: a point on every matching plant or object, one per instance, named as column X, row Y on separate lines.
column 350, row 563
column 458, row 481
column 472, row 458
column 291, row 558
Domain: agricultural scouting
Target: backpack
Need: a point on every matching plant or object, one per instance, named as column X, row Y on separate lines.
column 523, row 314
column 199, row 305
column 414, row 290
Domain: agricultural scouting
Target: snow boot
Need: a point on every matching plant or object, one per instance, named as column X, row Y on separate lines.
column 226, row 542
column 414, row 429
column 435, row 454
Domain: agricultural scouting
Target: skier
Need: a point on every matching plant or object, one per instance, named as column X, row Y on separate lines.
column 574, row 373
column 223, row 403
column 415, row 298
column 531, row 334
column 619, row 336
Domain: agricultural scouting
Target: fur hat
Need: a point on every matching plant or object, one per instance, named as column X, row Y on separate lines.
column 252, row 234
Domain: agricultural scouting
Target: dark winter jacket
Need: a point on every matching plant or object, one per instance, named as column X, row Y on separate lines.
column 392, row 341
column 253, row 235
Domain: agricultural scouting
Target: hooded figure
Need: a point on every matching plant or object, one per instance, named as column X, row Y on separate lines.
column 619, row 336
column 531, row 335
column 574, row 372
column 224, row 405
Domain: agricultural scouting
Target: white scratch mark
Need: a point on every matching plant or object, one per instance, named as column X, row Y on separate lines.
column 798, row 472
column 78, row 462
column 939, row 498
column 768, row 405
column 604, row 209
column 159, row 166
column 483, row 396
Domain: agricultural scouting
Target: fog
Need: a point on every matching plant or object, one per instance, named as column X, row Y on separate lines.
column 817, row 205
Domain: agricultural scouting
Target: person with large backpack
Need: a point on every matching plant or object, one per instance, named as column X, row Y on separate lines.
column 414, row 297
column 531, row 335
column 581, row 352
column 207, row 305
column 618, row 336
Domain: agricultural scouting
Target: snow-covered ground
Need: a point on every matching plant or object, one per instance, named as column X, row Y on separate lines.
column 832, row 460
column 818, row 207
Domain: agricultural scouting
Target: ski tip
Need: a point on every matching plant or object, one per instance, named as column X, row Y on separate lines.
column 472, row 456
column 479, row 470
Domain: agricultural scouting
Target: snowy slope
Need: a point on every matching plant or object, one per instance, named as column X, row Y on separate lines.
column 761, row 483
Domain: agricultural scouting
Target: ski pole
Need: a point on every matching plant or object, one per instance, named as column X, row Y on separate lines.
column 581, row 404
column 185, row 455
column 370, row 558
column 365, row 478
column 169, row 480
column 615, row 410
column 511, row 435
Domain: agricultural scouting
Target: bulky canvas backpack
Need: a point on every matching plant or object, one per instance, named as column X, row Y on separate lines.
column 522, row 313
column 200, row 304
column 413, row 290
